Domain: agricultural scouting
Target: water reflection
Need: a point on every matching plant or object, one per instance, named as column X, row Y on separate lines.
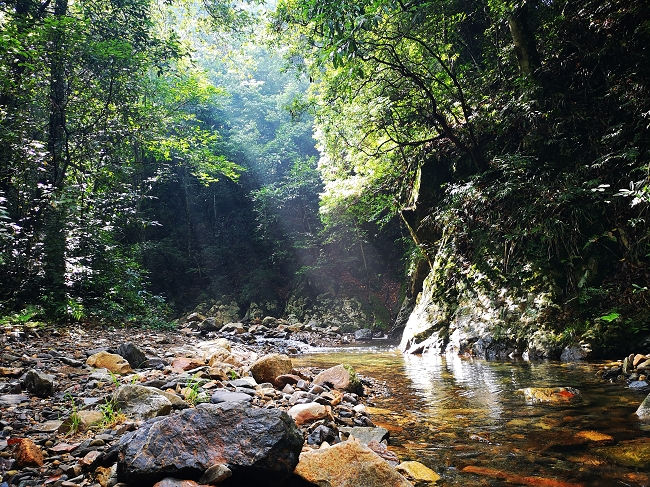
column 453, row 413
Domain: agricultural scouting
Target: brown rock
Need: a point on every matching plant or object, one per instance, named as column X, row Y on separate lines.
column 284, row 379
column 27, row 454
column 595, row 437
column 10, row 371
column 340, row 377
column 382, row 450
column 267, row 368
column 185, row 363
column 638, row 358
column 219, row 354
column 170, row 482
column 111, row 361
column 348, row 464
column 306, row 413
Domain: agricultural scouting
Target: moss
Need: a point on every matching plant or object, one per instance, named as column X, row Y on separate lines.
column 355, row 383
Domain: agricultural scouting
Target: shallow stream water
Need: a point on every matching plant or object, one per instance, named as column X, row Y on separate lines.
column 464, row 419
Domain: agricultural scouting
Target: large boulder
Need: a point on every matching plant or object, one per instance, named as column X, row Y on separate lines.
column 259, row 446
column 267, row 368
column 141, row 402
column 365, row 334
column 341, row 377
column 363, row 467
column 133, row 355
column 111, row 361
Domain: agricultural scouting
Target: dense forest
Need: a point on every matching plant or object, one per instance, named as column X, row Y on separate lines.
column 473, row 172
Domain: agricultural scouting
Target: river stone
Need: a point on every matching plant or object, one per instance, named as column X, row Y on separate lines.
column 215, row 474
column 267, row 368
column 133, row 355
column 306, row 413
column 364, row 334
column 552, row 395
column 260, row 446
column 574, row 354
column 141, row 402
column 39, row 383
column 218, row 355
column 637, row 384
column 229, row 396
column 12, row 399
column 366, row 434
column 417, row 473
column 340, row 377
column 643, row 411
column 210, row 324
column 637, row 359
column 635, row 453
column 27, row 454
column 363, row 467
column 111, row 361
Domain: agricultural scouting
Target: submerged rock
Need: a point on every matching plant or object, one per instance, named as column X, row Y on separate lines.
column 552, row 395
column 257, row 445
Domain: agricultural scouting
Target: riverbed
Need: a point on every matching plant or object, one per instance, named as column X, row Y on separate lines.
column 465, row 419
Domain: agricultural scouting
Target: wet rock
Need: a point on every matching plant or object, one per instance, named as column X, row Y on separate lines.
column 635, row 453
column 258, row 445
column 365, row 334
column 141, row 402
column 595, row 437
column 637, row 384
column 172, row 482
column 110, row 361
column 133, row 355
column 340, row 377
column 417, row 473
column 267, row 368
column 552, row 395
column 362, row 467
column 27, row 454
column 229, row 396
column 39, row 383
column 365, row 435
column 306, row 413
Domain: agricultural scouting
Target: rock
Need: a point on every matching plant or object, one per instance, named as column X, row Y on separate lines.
column 322, row 433
column 635, row 453
column 229, row 396
column 267, row 368
column 574, row 354
column 39, row 383
column 27, row 454
column 637, row 384
column 638, row 358
column 215, row 474
column 643, row 366
column 365, row 435
column 553, row 395
column 382, row 450
column 306, row 413
column 595, row 437
column 81, row 421
column 11, row 371
column 218, row 355
column 282, row 380
column 141, row 402
column 12, row 399
column 260, row 446
column 171, row 482
column 348, row 464
column 133, row 355
column 365, row 334
column 210, row 324
column 643, row 410
column 340, row 377
column 222, row 372
column 111, row 361
column 185, row 363
column 417, row 473
column 106, row 475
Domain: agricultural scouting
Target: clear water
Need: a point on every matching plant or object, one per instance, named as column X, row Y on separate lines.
column 451, row 413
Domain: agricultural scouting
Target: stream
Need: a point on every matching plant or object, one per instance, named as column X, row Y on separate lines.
column 451, row 412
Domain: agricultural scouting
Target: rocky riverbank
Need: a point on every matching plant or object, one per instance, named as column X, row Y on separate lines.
column 210, row 403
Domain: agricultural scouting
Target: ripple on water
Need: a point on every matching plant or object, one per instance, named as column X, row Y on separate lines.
column 452, row 413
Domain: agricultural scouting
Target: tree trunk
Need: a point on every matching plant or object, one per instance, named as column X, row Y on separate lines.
column 55, row 215
column 524, row 40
